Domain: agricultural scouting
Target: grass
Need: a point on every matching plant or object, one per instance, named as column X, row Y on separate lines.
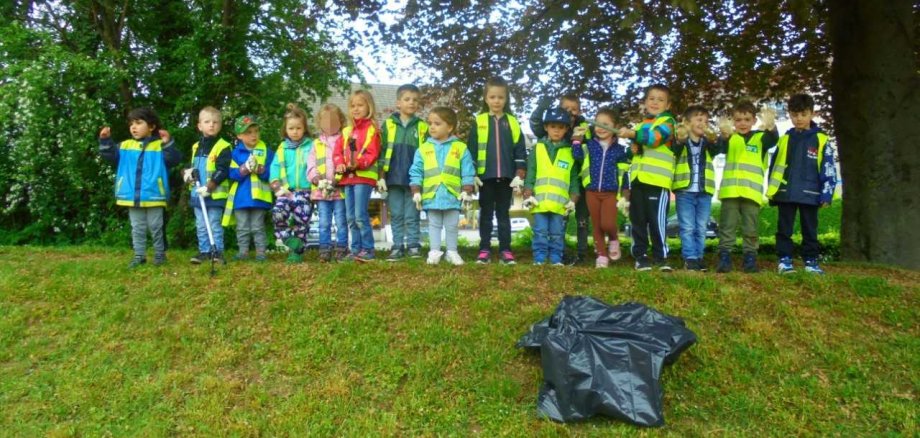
column 90, row 348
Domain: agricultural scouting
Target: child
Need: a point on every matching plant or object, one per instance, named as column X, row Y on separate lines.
column 441, row 179
column 211, row 157
column 694, row 183
column 601, row 156
column 651, row 174
column 803, row 178
column 250, row 194
column 578, row 130
column 327, row 195
column 501, row 157
column 142, row 181
column 741, row 191
column 402, row 134
column 355, row 157
column 551, row 188
column 288, row 178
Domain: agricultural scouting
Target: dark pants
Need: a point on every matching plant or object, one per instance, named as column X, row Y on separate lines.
column 581, row 217
column 808, row 216
column 648, row 212
column 495, row 198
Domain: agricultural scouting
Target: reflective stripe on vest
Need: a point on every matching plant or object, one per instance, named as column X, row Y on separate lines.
column 421, row 129
column 655, row 166
column 435, row 175
column 683, row 173
column 482, row 136
column 778, row 175
column 129, row 192
column 259, row 190
column 551, row 187
column 298, row 164
column 224, row 187
column 370, row 172
column 744, row 169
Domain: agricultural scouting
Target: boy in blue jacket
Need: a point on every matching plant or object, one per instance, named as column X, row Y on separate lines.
column 802, row 179
column 211, row 157
column 142, row 179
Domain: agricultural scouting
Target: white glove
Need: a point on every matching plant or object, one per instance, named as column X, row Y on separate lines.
column 767, row 119
column 477, row 182
column 282, row 192
column 682, row 132
column 203, row 191
column 417, row 199
column 530, row 203
column 578, row 133
column 623, row 206
column 466, row 199
column 726, row 127
column 381, row 185
column 187, row 175
column 251, row 163
column 569, row 208
column 710, row 135
column 517, row 183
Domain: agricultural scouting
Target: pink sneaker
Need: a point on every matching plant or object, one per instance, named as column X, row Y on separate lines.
column 507, row 258
column 613, row 250
column 602, row 262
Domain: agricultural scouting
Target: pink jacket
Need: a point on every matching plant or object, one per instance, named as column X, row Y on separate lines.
column 313, row 174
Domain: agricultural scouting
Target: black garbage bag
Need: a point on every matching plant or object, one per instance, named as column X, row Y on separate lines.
column 606, row 360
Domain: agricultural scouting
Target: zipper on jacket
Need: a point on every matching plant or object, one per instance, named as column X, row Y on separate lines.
column 498, row 148
column 600, row 184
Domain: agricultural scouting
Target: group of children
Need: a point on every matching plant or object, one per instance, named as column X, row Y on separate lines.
column 575, row 167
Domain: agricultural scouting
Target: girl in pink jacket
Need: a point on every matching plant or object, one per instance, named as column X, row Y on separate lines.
column 326, row 192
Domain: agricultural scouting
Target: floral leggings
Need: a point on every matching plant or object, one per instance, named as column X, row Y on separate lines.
column 292, row 216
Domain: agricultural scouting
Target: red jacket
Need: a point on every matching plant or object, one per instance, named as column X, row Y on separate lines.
column 365, row 158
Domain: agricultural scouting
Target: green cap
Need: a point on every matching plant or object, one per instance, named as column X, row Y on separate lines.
column 243, row 123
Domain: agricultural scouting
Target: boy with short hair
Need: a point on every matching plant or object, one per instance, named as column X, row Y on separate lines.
column 802, row 178
column 651, row 175
column 551, row 188
column 142, row 179
column 401, row 135
column 211, row 157
column 250, row 193
column 742, row 189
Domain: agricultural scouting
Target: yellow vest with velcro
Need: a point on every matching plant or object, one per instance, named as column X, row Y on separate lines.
column 435, row 175
column 655, row 166
column 422, row 130
column 260, row 190
column 553, row 178
column 370, row 172
column 778, row 175
column 211, row 166
column 745, row 166
column 683, row 173
column 482, row 137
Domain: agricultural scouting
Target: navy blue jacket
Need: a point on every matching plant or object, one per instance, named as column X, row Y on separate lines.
column 504, row 158
column 205, row 144
column 603, row 165
column 805, row 184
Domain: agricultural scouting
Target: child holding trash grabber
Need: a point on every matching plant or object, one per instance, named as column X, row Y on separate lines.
column 211, row 158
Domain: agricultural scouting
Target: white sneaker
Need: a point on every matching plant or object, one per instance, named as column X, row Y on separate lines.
column 453, row 257
column 602, row 262
column 613, row 250
column 434, row 257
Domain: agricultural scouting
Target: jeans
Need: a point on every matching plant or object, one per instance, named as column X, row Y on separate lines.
column 404, row 217
column 548, row 237
column 446, row 220
column 327, row 211
column 693, row 214
column 214, row 216
column 357, row 199
column 250, row 226
column 143, row 219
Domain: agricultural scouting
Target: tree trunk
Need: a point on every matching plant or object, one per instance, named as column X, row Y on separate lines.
column 876, row 105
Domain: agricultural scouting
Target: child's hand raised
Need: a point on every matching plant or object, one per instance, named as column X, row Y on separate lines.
column 164, row 135
column 106, row 132
column 626, row 133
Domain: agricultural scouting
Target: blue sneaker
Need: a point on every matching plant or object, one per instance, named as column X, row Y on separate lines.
column 785, row 266
column 811, row 267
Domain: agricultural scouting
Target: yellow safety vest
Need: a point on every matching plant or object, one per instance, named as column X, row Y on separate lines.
column 450, row 175
column 778, row 175
column 587, row 131
column 683, row 174
column 623, row 169
column 744, row 169
column 260, row 190
column 370, row 172
column 551, row 187
column 655, row 166
column 482, row 136
column 211, row 166
column 422, row 131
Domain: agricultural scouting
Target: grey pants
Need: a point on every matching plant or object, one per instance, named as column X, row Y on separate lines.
column 443, row 220
column 250, row 225
column 143, row 219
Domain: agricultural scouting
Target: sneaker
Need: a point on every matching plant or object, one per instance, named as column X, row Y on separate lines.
column 601, row 262
column 199, row 258
column 453, row 257
column 613, row 250
column 261, row 258
column 241, row 257
column 663, row 266
column 396, row 255
column 483, row 257
column 507, row 258
column 159, row 260
column 346, row 255
column 364, row 256
column 691, row 265
column 136, row 262
column 701, row 265
column 750, row 264
column 325, row 255
column 219, row 257
column 434, row 257
column 785, row 266
column 558, row 264
column 642, row 264
column 414, row 252
column 725, row 263
column 811, row 267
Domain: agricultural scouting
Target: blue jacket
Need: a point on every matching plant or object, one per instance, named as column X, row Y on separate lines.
column 296, row 157
column 142, row 178
column 200, row 162
column 243, row 198
column 603, row 165
column 804, row 183
column 404, row 146
column 443, row 200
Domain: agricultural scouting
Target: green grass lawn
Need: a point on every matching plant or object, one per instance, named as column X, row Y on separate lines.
column 90, row 348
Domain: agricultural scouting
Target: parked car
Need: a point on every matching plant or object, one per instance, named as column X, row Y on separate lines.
column 517, row 224
column 673, row 228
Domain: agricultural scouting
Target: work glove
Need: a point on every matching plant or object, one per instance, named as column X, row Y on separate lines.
column 417, row 199
column 623, row 206
column 682, row 132
column 251, row 163
column 516, row 184
column 726, row 128
column 477, row 182
column 768, row 119
column 578, row 134
column 382, row 185
column 569, row 208
column 282, row 192
column 466, row 199
column 530, row 203
column 187, row 175
column 710, row 134
column 203, row 191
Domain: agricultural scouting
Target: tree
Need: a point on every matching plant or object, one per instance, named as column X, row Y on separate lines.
column 857, row 58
